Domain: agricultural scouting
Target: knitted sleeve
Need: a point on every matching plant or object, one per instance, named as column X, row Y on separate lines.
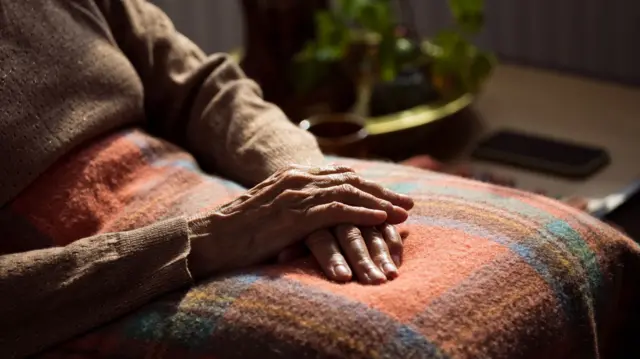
column 205, row 104
column 53, row 294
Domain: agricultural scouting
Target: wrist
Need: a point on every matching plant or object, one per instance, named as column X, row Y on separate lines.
column 201, row 260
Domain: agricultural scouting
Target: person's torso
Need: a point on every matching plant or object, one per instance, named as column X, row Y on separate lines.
column 63, row 81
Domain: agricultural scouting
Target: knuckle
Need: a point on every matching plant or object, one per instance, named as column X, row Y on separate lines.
column 291, row 195
column 294, row 175
column 351, row 178
column 380, row 258
column 372, row 234
column 377, row 242
column 291, row 171
column 393, row 237
column 364, row 263
column 286, row 171
column 343, row 168
column 336, row 206
column 377, row 186
column 353, row 235
column 389, row 231
column 348, row 189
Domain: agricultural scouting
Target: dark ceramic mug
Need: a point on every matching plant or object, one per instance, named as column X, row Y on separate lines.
column 339, row 134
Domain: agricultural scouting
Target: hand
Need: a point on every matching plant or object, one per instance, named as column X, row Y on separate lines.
column 286, row 208
column 374, row 253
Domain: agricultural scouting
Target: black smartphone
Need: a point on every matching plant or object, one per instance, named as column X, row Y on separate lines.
column 536, row 153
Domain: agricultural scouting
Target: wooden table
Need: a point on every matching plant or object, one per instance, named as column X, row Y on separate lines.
column 539, row 102
column 564, row 106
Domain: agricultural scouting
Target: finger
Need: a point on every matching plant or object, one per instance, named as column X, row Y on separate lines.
column 292, row 253
column 379, row 251
column 394, row 243
column 353, row 196
column 370, row 187
column 324, row 247
column 355, row 249
column 335, row 213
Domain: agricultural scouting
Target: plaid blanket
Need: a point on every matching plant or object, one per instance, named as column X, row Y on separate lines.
column 489, row 272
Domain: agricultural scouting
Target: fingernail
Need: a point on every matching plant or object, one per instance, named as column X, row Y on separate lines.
column 396, row 259
column 400, row 214
column 342, row 271
column 390, row 270
column 376, row 276
column 409, row 201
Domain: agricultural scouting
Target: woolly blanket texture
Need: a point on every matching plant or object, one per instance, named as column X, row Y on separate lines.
column 489, row 272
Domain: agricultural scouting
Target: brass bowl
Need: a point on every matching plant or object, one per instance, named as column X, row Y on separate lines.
column 340, row 134
column 417, row 116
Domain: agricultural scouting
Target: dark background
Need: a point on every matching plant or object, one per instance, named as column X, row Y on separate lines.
column 598, row 38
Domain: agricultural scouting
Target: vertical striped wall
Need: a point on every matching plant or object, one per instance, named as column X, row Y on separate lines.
column 215, row 25
column 594, row 37
column 599, row 38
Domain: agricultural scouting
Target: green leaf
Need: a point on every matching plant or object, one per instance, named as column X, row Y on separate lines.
column 469, row 14
column 325, row 28
column 350, row 8
column 375, row 16
column 332, row 37
column 447, row 39
column 462, row 6
column 387, row 55
column 481, row 67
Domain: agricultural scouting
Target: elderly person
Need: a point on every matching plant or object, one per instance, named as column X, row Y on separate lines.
column 75, row 72
column 104, row 110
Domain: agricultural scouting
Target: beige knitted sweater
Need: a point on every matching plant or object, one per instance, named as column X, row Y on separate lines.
column 73, row 70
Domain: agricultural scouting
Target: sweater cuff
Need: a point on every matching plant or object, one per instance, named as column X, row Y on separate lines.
column 164, row 248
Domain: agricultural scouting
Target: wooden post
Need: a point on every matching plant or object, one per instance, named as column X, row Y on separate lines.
column 276, row 30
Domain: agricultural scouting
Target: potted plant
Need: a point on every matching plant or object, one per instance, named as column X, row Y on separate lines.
column 390, row 62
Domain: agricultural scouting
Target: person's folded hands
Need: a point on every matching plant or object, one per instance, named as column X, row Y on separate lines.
column 370, row 254
column 284, row 209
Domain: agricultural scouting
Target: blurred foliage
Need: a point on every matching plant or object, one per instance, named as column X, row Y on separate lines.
column 372, row 23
